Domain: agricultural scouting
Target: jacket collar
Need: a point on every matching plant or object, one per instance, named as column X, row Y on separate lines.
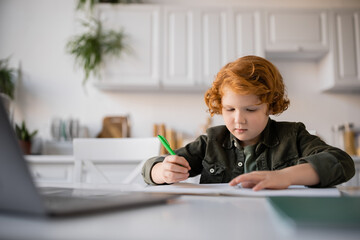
column 269, row 137
column 229, row 141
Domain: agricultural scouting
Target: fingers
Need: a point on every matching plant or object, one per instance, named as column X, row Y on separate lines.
column 171, row 177
column 262, row 179
column 253, row 177
column 254, row 180
column 261, row 185
column 175, row 169
column 177, row 160
column 247, row 184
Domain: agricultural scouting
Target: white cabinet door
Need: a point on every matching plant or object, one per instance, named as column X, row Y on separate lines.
column 51, row 168
column 347, row 49
column 196, row 45
column 296, row 33
column 179, row 47
column 214, row 43
column 245, row 34
column 341, row 69
column 140, row 67
column 52, row 172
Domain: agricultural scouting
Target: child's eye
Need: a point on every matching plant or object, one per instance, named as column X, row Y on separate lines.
column 251, row 110
column 229, row 109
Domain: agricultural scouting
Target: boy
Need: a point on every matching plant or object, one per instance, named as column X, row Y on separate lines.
column 252, row 149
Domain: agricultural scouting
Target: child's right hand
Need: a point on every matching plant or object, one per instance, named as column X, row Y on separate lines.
column 172, row 169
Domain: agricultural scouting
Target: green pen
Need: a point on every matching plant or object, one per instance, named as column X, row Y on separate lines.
column 166, row 144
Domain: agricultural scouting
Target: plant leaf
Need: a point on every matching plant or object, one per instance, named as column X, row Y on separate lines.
column 7, row 85
column 90, row 47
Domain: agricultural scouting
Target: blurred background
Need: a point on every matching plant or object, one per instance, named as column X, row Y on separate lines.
column 159, row 83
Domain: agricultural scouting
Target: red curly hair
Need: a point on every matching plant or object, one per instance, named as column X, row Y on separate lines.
column 249, row 75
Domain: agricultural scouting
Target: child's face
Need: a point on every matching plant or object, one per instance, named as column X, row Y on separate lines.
column 243, row 117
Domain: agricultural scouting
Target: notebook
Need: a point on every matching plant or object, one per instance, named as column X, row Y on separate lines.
column 318, row 211
column 18, row 193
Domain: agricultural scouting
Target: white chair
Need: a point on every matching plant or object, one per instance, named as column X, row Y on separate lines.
column 112, row 160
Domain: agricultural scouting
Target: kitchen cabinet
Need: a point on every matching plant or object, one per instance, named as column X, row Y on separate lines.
column 341, row 69
column 60, row 169
column 196, row 45
column 199, row 41
column 245, row 33
column 214, row 45
column 296, row 33
column 51, row 168
column 177, row 47
column 181, row 48
column 140, row 66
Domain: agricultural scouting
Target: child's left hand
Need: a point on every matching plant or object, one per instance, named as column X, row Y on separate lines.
column 302, row 174
column 262, row 179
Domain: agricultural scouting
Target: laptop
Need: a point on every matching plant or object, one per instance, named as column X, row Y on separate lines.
column 19, row 195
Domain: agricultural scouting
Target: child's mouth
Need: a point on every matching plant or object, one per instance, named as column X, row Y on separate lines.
column 240, row 130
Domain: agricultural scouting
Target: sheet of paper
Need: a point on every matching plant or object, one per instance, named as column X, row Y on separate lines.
column 190, row 188
column 225, row 189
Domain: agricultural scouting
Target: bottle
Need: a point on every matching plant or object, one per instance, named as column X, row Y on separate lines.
column 349, row 140
column 358, row 144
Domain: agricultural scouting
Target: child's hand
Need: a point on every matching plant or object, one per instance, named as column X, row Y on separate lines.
column 172, row 169
column 262, row 179
column 303, row 174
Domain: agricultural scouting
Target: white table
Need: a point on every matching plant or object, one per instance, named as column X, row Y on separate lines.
column 188, row 217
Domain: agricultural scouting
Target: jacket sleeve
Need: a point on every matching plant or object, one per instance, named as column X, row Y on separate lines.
column 333, row 165
column 146, row 169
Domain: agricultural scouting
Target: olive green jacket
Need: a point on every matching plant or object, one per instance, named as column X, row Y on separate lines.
column 219, row 158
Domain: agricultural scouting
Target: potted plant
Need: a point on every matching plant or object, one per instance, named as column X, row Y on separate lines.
column 25, row 137
column 90, row 47
column 7, row 85
column 83, row 3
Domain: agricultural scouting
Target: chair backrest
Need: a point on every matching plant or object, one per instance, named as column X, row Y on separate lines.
column 116, row 149
column 89, row 151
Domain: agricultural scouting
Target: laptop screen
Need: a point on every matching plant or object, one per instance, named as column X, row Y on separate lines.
column 17, row 190
column 19, row 194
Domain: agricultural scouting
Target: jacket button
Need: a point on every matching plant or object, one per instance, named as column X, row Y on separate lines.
column 240, row 164
column 212, row 170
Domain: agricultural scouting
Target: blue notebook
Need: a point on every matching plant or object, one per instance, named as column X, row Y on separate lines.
column 318, row 211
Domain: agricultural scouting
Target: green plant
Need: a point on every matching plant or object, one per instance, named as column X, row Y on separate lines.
column 82, row 3
column 90, row 47
column 23, row 133
column 7, row 85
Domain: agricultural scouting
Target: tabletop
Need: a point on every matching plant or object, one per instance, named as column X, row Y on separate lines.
column 186, row 217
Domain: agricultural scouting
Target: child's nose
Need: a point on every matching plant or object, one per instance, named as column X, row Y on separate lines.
column 240, row 118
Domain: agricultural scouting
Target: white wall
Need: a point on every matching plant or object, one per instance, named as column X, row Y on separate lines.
column 35, row 33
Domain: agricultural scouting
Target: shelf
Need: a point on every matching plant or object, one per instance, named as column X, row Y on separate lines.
column 113, row 86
